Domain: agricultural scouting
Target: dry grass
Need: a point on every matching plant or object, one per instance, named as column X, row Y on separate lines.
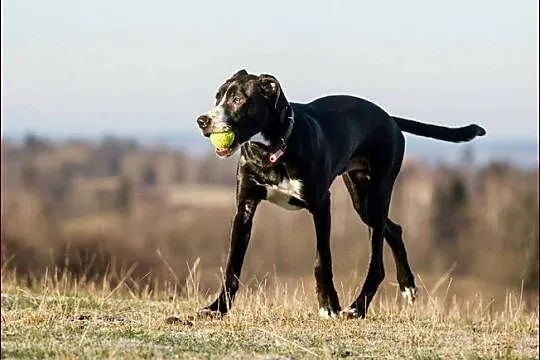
column 66, row 318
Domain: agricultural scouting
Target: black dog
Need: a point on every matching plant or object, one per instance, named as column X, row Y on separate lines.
column 309, row 145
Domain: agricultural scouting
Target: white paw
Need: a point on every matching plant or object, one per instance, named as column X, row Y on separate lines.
column 325, row 313
column 410, row 294
column 348, row 313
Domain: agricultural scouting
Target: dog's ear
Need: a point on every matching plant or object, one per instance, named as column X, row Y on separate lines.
column 268, row 86
column 239, row 73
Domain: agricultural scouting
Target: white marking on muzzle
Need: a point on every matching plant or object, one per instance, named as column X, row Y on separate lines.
column 218, row 116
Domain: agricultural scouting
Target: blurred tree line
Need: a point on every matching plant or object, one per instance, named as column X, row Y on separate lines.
column 83, row 206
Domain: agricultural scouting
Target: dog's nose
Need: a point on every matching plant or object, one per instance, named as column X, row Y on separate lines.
column 203, row 121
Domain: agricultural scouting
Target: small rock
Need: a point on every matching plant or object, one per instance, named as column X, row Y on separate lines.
column 173, row 320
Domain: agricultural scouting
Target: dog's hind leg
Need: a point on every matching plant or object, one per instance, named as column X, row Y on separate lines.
column 326, row 292
column 394, row 236
column 371, row 191
column 373, row 209
column 357, row 185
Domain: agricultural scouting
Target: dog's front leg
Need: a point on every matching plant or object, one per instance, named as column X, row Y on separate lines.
column 240, row 235
column 326, row 292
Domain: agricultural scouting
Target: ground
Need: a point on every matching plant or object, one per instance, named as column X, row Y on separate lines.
column 88, row 322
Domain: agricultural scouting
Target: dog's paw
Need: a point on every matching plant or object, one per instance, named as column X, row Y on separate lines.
column 209, row 314
column 326, row 313
column 410, row 294
column 350, row 313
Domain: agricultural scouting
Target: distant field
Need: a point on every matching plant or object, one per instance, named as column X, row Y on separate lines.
column 92, row 321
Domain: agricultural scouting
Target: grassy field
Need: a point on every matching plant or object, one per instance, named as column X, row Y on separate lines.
column 66, row 319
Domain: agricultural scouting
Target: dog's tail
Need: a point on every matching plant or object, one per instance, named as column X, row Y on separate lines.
column 460, row 134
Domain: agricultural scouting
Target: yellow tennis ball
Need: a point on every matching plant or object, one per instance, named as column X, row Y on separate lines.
column 222, row 140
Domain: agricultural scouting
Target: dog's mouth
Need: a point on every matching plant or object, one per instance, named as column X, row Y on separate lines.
column 228, row 151
column 224, row 153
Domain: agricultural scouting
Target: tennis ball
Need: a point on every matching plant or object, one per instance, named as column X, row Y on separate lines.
column 222, row 140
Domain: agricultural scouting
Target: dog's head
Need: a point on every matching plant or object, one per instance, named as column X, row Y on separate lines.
column 246, row 104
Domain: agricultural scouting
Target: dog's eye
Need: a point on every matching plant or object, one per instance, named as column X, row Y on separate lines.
column 236, row 100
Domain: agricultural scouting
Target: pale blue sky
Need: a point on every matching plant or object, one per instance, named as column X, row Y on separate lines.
column 150, row 67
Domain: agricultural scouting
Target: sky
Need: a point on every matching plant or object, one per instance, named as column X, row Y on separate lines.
column 133, row 67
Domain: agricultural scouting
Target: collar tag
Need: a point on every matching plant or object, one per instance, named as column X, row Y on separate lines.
column 276, row 155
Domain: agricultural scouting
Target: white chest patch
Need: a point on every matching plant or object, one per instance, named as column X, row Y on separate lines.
column 282, row 193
